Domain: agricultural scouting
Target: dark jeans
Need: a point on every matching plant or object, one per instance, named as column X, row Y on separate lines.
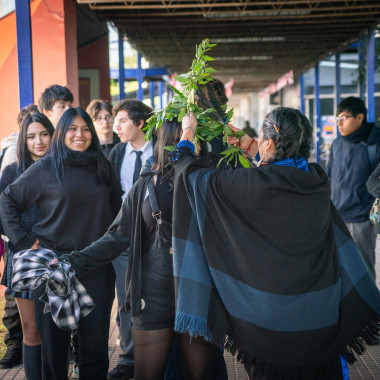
column 364, row 236
column 12, row 322
column 93, row 332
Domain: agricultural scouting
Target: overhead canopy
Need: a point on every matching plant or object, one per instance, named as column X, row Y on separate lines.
column 258, row 41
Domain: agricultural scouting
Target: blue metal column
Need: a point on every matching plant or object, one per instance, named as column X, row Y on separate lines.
column 337, row 79
column 317, row 112
column 302, row 93
column 152, row 92
column 337, row 85
column 361, row 63
column 161, row 93
column 24, row 53
column 371, row 77
column 139, row 77
column 121, row 67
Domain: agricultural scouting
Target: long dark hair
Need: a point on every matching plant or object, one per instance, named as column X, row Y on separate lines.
column 24, row 160
column 169, row 135
column 60, row 153
column 290, row 131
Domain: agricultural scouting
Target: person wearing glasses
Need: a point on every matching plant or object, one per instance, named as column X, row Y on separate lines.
column 100, row 112
column 353, row 157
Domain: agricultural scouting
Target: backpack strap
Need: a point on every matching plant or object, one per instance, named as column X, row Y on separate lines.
column 156, row 212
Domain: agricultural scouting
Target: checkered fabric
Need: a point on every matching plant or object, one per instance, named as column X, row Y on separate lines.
column 65, row 297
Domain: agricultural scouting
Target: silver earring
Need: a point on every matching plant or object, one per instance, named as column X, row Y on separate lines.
column 261, row 160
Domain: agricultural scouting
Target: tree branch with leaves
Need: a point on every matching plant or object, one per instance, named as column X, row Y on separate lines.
column 198, row 95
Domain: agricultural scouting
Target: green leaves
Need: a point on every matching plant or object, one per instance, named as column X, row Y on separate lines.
column 184, row 101
column 181, row 78
column 181, row 114
column 244, row 162
column 229, row 115
column 210, row 70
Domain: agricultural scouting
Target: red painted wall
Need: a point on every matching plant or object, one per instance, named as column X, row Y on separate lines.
column 55, row 59
column 96, row 56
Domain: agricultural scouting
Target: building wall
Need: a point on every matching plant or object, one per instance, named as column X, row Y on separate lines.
column 55, row 59
column 93, row 62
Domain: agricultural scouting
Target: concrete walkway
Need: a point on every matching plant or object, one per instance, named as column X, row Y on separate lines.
column 367, row 366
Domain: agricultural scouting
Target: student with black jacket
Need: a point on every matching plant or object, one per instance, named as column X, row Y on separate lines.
column 144, row 226
column 127, row 158
column 78, row 196
column 36, row 132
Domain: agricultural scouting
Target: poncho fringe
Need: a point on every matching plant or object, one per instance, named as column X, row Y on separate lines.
column 196, row 326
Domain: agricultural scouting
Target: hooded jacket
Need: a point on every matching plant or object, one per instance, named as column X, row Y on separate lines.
column 349, row 167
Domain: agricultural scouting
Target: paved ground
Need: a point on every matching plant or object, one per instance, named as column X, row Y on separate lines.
column 366, row 368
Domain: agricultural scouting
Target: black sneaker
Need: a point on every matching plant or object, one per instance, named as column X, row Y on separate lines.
column 121, row 372
column 12, row 357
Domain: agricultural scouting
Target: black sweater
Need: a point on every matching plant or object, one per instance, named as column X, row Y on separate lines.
column 30, row 216
column 74, row 213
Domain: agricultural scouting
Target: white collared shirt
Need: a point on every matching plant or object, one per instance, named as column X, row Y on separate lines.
column 128, row 166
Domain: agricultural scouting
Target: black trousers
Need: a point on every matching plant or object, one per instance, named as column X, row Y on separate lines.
column 93, row 332
column 12, row 322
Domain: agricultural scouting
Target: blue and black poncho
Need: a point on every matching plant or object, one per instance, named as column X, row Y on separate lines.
column 264, row 265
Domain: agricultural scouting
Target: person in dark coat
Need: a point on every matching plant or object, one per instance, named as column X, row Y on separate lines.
column 149, row 279
column 36, row 132
column 353, row 157
column 127, row 159
column 264, row 264
column 78, row 196
column 144, row 225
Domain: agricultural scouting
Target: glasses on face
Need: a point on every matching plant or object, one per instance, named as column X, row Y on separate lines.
column 342, row 118
column 107, row 118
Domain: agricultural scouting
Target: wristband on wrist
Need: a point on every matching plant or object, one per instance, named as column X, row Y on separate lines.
column 249, row 147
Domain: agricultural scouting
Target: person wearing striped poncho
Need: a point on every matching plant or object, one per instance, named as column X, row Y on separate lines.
column 263, row 263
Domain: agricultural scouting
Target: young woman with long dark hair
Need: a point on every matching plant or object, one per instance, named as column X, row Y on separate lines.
column 144, row 225
column 36, row 132
column 150, row 287
column 78, row 196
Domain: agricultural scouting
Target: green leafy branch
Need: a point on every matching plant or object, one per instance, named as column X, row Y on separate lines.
column 185, row 101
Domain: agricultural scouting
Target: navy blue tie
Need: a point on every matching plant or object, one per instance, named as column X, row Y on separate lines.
column 138, row 165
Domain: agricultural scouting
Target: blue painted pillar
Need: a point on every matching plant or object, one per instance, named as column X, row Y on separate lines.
column 161, row 93
column 140, row 77
column 121, row 67
column 152, row 92
column 338, row 86
column 317, row 116
column 302, row 93
column 24, row 53
column 361, row 47
column 337, row 79
column 371, row 77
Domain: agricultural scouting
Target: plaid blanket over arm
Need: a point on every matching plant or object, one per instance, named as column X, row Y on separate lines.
column 265, row 266
column 65, row 297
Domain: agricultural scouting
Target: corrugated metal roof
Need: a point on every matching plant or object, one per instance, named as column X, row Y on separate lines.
column 258, row 41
